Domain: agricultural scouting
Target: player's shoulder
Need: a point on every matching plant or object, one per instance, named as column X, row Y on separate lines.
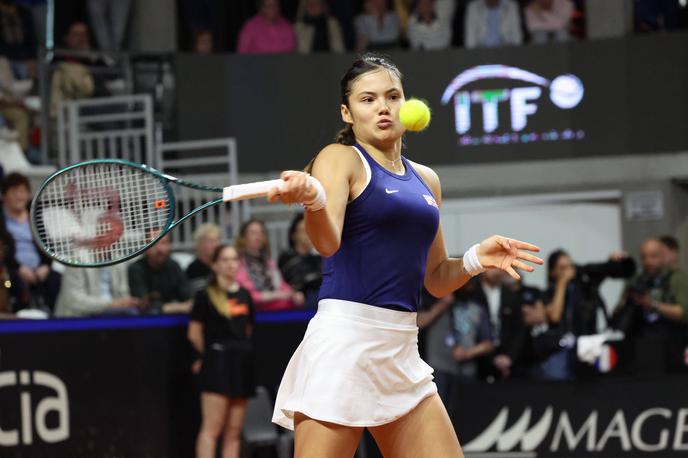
column 429, row 176
column 336, row 155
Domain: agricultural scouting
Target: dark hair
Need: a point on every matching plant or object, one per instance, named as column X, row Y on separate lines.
column 13, row 180
column 552, row 262
column 670, row 242
column 218, row 251
column 366, row 63
column 240, row 243
column 292, row 227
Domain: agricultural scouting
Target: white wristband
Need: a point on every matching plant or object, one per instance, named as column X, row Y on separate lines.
column 471, row 262
column 320, row 199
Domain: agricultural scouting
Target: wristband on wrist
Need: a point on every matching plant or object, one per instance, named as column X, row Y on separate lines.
column 320, row 199
column 471, row 262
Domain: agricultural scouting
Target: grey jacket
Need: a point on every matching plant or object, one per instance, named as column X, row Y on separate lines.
column 80, row 293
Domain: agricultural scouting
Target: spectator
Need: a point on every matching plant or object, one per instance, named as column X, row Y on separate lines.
column 159, row 282
column 472, row 337
column 316, row 30
column 32, row 265
column 503, row 307
column 492, row 23
column 656, row 15
column 426, row 30
column 16, row 110
column 344, row 13
column 97, row 291
column 671, row 257
column 549, row 20
column 301, row 265
column 267, row 32
column 203, row 42
column 220, row 330
column 109, row 19
column 435, row 319
column 572, row 302
column 18, row 39
column 207, row 239
column 377, row 28
column 259, row 273
column 14, row 295
column 654, row 311
column 72, row 80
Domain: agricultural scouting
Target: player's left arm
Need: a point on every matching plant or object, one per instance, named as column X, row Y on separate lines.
column 443, row 275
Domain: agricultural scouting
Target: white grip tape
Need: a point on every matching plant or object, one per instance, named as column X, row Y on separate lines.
column 471, row 262
column 249, row 190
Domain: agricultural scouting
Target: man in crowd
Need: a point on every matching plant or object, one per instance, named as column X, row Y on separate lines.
column 159, row 281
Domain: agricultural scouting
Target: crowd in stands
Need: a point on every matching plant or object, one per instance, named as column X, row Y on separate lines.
column 493, row 328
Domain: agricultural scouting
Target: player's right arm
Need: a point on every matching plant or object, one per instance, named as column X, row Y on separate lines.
column 337, row 169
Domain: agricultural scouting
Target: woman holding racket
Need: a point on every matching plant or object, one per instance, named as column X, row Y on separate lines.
column 220, row 329
column 375, row 216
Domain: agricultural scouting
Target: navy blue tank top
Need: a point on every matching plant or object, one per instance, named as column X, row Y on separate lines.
column 388, row 230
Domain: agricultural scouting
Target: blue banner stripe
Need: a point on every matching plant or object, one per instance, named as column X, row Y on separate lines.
column 132, row 322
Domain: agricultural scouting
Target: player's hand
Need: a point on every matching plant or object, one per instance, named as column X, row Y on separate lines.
column 296, row 189
column 507, row 254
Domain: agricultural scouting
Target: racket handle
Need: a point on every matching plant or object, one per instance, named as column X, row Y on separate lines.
column 249, row 190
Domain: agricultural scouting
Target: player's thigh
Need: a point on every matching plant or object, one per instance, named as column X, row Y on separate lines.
column 424, row 432
column 319, row 439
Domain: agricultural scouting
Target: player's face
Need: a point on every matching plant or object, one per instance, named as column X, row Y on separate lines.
column 374, row 104
column 227, row 263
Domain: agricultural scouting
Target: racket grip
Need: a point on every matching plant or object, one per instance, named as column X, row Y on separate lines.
column 249, row 190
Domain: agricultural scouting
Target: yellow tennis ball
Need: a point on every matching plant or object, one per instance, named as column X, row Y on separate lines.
column 414, row 115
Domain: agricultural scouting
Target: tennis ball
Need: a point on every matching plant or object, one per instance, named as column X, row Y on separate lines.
column 414, row 115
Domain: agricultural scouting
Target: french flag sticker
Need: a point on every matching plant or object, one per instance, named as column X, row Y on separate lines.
column 431, row 201
column 607, row 360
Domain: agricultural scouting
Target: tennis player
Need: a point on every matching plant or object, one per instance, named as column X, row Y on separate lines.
column 374, row 215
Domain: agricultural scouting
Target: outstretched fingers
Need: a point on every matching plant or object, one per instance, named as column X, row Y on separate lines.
column 529, row 257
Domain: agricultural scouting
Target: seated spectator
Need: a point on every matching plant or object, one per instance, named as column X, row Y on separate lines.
column 159, row 281
column 32, row 264
column 426, row 30
column 503, row 307
column 17, row 111
column 109, row 19
column 653, row 313
column 259, row 273
column 435, row 320
column 549, row 20
column 207, row 239
column 492, row 23
column 656, row 15
column 316, row 30
column 95, row 291
column 202, row 42
column 267, row 32
column 572, row 302
column 18, row 39
column 377, row 28
column 72, row 80
column 301, row 265
column 14, row 295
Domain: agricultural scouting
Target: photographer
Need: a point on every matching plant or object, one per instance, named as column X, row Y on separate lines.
column 571, row 303
column 653, row 312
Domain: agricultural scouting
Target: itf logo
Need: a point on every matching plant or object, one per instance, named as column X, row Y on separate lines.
column 564, row 91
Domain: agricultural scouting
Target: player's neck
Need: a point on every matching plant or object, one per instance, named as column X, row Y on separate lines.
column 388, row 156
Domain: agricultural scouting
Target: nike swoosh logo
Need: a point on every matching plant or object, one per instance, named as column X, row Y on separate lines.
column 391, row 191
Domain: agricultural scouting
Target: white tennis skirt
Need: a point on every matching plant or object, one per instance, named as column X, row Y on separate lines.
column 358, row 365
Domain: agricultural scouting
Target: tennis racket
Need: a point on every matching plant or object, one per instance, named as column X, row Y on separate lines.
column 102, row 212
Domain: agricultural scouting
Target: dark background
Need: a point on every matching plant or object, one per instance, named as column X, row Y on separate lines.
column 287, row 107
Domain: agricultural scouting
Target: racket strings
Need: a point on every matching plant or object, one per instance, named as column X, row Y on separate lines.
column 101, row 213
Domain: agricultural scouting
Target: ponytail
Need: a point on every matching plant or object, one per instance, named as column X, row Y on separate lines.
column 346, row 136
